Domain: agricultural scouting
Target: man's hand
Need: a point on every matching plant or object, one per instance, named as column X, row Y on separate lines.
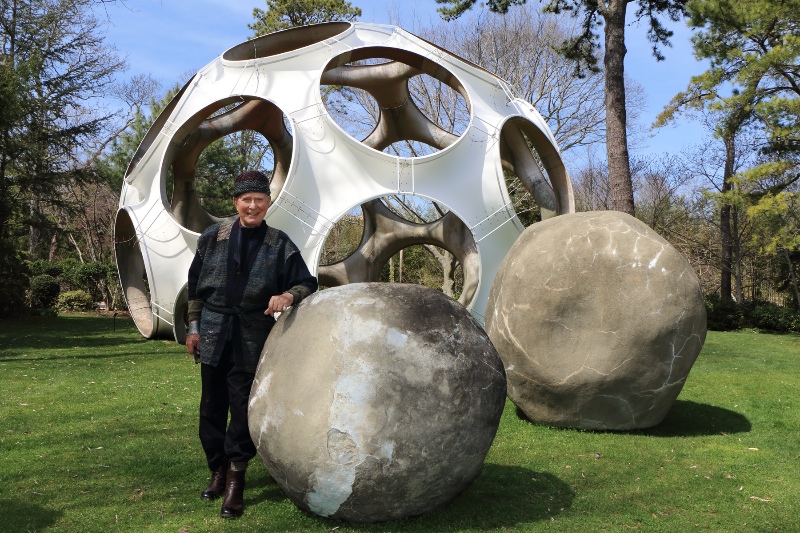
column 279, row 303
column 193, row 346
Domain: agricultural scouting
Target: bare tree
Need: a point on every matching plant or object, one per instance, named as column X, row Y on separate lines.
column 518, row 47
column 134, row 94
column 591, row 186
column 714, row 163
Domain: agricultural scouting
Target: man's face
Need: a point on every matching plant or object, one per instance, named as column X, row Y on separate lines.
column 252, row 207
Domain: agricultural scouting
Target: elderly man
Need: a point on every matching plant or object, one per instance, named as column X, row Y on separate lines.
column 242, row 274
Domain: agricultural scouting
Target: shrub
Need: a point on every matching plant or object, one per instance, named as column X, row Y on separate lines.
column 90, row 277
column 771, row 317
column 42, row 267
column 114, row 290
column 14, row 280
column 44, row 291
column 74, row 301
column 723, row 314
column 69, row 273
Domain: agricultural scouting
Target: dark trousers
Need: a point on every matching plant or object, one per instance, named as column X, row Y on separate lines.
column 225, row 388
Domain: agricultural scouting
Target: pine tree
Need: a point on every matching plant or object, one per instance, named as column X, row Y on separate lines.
column 753, row 81
column 284, row 14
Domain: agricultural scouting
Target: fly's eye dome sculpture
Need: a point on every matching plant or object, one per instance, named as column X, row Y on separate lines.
column 327, row 160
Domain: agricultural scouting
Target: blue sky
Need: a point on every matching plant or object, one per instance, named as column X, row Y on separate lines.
column 171, row 38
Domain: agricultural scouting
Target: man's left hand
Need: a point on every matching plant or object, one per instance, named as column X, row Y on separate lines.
column 279, row 303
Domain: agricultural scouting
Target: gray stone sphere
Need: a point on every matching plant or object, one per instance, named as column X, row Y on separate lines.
column 376, row 401
column 598, row 321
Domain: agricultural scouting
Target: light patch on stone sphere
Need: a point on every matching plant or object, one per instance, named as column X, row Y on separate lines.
column 356, row 329
column 330, row 490
column 396, row 338
column 387, row 449
column 354, row 387
column 353, row 396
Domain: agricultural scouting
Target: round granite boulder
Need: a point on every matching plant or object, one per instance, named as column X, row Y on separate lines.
column 376, row 401
column 598, row 321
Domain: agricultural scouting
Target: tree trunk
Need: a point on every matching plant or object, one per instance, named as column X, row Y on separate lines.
column 792, row 277
column 400, row 268
column 5, row 214
column 34, row 234
column 737, row 255
column 77, row 248
column 51, row 255
column 616, row 121
column 449, row 263
column 725, row 222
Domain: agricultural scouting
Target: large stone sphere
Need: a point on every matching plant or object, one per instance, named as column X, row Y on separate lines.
column 376, row 401
column 598, row 321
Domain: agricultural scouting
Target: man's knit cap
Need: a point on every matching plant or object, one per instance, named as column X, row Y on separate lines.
column 250, row 181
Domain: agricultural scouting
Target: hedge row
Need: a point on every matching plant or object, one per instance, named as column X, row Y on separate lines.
column 727, row 315
column 67, row 285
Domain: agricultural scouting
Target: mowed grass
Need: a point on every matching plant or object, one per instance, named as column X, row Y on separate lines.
column 98, row 433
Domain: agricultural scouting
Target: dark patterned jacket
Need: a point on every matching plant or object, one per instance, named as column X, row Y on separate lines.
column 233, row 306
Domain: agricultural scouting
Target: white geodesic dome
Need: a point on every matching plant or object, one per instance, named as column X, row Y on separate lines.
column 321, row 172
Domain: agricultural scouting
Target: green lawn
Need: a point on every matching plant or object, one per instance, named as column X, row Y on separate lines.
column 98, row 433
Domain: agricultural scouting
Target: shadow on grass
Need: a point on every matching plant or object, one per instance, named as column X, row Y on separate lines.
column 261, row 486
column 686, row 419
column 50, row 334
column 692, row 419
column 21, row 515
column 502, row 496
column 68, row 356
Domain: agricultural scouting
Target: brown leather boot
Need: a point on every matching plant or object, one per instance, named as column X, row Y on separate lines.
column 216, row 486
column 233, row 504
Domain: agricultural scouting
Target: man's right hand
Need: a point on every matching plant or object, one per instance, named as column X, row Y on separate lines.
column 193, row 346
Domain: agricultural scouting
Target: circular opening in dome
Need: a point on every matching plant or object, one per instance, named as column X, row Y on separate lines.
column 223, row 160
column 402, row 239
column 395, row 101
column 522, row 200
column 344, row 237
column 132, row 273
column 210, row 150
column 285, row 41
column 535, row 177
